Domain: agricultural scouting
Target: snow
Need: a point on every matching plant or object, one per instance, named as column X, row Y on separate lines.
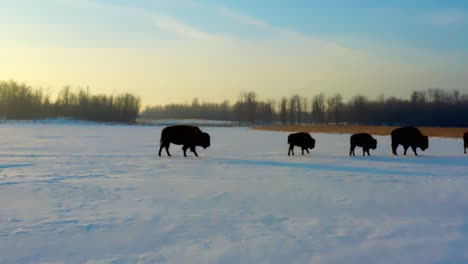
column 48, row 121
column 98, row 194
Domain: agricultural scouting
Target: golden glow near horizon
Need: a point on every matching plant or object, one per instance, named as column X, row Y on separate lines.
column 163, row 68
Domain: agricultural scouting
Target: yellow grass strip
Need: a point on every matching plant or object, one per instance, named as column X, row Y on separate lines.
column 446, row 132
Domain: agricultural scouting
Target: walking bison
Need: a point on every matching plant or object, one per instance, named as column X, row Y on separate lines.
column 409, row 137
column 364, row 140
column 188, row 136
column 465, row 141
column 300, row 139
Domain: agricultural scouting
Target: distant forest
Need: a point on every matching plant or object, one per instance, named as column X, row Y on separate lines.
column 20, row 101
column 431, row 107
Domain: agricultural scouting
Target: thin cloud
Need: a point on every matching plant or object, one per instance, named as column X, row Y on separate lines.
column 162, row 21
column 176, row 26
column 172, row 24
column 242, row 18
column 445, row 18
column 247, row 20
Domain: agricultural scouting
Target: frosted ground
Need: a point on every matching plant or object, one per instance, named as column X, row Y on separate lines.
column 97, row 193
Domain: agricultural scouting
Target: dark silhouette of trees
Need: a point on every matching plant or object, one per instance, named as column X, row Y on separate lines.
column 431, row 107
column 266, row 112
column 195, row 110
column 318, row 109
column 335, row 108
column 284, row 110
column 19, row 101
column 246, row 108
column 249, row 100
column 296, row 109
column 292, row 110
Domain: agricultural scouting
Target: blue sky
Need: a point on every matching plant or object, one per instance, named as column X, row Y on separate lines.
column 420, row 44
column 432, row 25
column 437, row 25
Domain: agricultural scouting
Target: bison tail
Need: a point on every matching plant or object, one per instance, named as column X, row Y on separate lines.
column 163, row 136
column 289, row 139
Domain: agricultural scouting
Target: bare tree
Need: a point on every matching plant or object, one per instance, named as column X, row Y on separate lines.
column 284, row 110
column 334, row 107
column 318, row 108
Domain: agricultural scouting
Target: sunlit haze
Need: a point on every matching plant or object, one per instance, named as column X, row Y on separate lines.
column 172, row 51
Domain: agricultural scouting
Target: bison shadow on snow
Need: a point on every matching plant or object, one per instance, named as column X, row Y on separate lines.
column 301, row 139
column 188, row 136
column 409, row 137
column 363, row 140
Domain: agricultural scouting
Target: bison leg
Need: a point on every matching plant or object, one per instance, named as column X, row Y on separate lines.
column 394, row 148
column 291, row 150
column 167, row 150
column 302, row 151
column 465, row 148
column 406, row 148
column 192, row 148
column 160, row 149
column 184, row 148
column 351, row 150
column 166, row 146
column 414, row 150
column 367, row 151
column 307, row 151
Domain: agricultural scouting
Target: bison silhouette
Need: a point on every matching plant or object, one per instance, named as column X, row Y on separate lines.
column 409, row 137
column 364, row 140
column 188, row 136
column 465, row 141
column 300, row 139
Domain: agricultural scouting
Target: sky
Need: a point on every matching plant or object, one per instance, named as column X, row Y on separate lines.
column 170, row 51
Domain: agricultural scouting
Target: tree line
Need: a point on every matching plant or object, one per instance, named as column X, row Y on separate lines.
column 431, row 107
column 20, row 101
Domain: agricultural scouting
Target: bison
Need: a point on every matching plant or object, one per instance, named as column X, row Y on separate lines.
column 188, row 136
column 364, row 140
column 301, row 139
column 465, row 141
column 409, row 137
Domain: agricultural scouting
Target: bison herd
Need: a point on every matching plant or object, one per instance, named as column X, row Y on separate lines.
column 191, row 136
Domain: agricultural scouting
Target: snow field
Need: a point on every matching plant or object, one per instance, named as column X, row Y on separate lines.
column 80, row 193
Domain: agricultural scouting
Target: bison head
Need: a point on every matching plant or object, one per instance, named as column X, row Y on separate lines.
column 424, row 144
column 204, row 140
column 373, row 144
column 311, row 144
